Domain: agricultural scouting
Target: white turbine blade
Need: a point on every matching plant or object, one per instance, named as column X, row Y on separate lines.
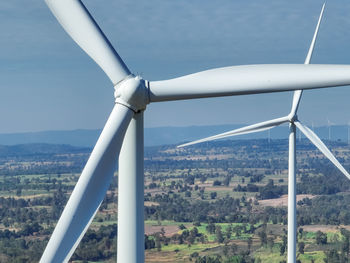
column 262, row 126
column 296, row 101
column 311, row 49
column 79, row 24
column 321, row 146
column 298, row 93
column 90, row 189
column 252, row 79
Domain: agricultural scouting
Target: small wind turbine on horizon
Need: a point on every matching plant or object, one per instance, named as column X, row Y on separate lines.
column 293, row 121
column 348, row 132
column 122, row 135
column 329, row 126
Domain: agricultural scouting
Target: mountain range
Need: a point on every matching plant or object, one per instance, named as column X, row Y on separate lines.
column 162, row 135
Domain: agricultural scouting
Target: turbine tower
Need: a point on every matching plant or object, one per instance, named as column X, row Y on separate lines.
column 348, row 133
column 122, row 135
column 329, row 126
column 293, row 121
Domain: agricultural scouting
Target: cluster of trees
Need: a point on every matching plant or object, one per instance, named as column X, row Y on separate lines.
column 334, row 210
column 340, row 248
column 268, row 191
column 230, row 251
column 98, row 244
column 17, row 247
column 328, row 181
column 174, row 207
column 328, row 210
column 39, row 158
column 23, row 211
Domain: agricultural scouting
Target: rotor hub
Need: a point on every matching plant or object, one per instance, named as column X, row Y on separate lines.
column 292, row 118
column 132, row 92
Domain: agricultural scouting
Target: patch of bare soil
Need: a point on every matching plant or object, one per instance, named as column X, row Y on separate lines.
column 160, row 257
column 282, row 201
column 169, row 230
column 324, row 228
column 154, row 191
column 25, row 196
column 218, row 188
column 149, row 203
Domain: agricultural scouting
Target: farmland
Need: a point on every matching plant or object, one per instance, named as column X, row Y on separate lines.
column 216, row 202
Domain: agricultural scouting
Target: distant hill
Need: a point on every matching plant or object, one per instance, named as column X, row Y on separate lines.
column 159, row 135
column 84, row 138
column 31, row 149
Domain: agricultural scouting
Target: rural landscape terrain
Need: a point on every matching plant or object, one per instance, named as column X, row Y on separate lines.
column 216, row 202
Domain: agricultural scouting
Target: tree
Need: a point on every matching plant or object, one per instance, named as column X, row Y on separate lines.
column 301, row 232
column 213, row 195
column 283, row 245
column 219, row 235
column 182, row 227
column 263, row 237
column 19, row 191
column 211, row 228
column 237, row 229
column 249, row 243
column 229, row 231
column 157, row 242
column 149, row 243
column 227, row 180
column 225, row 250
column 271, row 242
column 332, row 256
column 282, row 249
column 203, row 178
column 301, row 247
column 321, row 238
column 216, row 183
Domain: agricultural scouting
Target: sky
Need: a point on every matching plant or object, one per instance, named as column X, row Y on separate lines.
column 48, row 83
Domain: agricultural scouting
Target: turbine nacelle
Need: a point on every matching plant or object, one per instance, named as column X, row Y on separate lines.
column 292, row 117
column 133, row 93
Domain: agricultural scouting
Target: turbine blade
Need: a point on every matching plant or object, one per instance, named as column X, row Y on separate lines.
column 298, row 93
column 90, row 188
column 321, row 146
column 79, row 24
column 296, row 101
column 252, row 79
column 312, row 46
column 262, row 126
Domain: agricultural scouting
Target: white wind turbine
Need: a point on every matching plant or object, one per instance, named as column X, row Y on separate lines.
column 293, row 121
column 123, row 133
column 329, row 126
column 348, row 132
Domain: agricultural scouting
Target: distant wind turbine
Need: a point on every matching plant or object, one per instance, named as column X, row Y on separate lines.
column 329, row 125
column 293, row 121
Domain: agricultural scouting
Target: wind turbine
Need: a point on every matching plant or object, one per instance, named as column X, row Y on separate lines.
column 123, row 133
column 293, row 121
column 329, row 125
column 349, row 133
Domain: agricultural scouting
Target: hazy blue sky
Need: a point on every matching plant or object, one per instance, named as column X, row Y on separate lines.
column 47, row 82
